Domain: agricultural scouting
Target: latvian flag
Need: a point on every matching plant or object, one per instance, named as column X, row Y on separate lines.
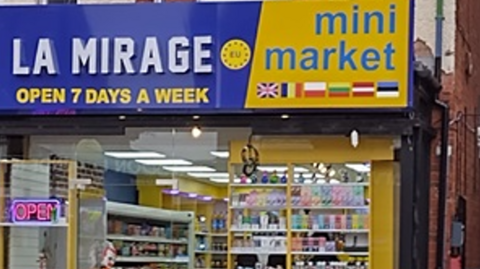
column 291, row 90
column 267, row 90
column 314, row 89
column 339, row 89
column 387, row 89
column 363, row 89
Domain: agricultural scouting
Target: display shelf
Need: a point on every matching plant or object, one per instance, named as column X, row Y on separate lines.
column 333, row 207
column 351, row 184
column 219, row 234
column 258, row 185
column 144, row 235
column 252, row 230
column 332, row 253
column 325, row 218
column 151, row 239
column 330, row 230
column 143, row 259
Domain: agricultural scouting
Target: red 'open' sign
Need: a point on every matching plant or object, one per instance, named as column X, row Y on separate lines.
column 24, row 210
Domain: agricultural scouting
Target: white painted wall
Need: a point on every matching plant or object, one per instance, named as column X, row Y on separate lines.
column 425, row 28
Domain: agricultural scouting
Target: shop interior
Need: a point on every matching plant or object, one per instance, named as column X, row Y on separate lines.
column 310, row 203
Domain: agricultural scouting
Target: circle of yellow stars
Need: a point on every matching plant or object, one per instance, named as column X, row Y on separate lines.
column 235, row 54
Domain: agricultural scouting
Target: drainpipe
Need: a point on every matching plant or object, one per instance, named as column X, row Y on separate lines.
column 443, row 158
column 439, row 17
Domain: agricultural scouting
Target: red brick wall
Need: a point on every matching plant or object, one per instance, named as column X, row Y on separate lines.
column 461, row 91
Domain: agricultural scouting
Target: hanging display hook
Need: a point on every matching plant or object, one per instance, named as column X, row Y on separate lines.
column 250, row 158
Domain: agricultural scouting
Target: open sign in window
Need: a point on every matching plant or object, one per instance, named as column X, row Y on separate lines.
column 34, row 211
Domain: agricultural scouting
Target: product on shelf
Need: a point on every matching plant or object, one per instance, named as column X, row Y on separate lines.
column 330, row 265
column 328, row 195
column 120, row 227
column 332, row 221
column 216, row 246
column 260, row 243
column 200, row 224
column 329, row 243
column 201, row 244
column 219, row 222
column 147, row 249
column 265, row 178
column 219, row 264
column 274, row 198
column 258, row 221
column 200, row 262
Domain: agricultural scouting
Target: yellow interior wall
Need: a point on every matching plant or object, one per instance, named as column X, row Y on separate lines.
column 379, row 151
column 151, row 195
column 382, row 230
column 326, row 149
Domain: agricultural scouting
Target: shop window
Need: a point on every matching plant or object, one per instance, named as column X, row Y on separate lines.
column 318, row 196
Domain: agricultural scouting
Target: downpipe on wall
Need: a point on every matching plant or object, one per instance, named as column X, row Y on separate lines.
column 443, row 158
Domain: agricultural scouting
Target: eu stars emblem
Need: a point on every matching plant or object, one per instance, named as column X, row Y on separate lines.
column 235, row 54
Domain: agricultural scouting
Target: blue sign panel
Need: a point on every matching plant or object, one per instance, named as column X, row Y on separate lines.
column 209, row 57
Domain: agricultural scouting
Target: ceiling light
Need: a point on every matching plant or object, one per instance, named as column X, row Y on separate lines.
column 192, row 195
column 164, row 162
column 358, row 167
column 196, row 117
column 220, row 154
column 281, row 169
column 133, row 154
column 220, row 180
column 189, row 168
column 196, row 132
column 209, row 175
column 285, row 116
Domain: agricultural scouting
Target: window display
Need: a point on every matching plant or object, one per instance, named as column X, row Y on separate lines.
column 317, row 220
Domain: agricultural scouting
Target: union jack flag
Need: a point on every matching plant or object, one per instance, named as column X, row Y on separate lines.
column 267, row 90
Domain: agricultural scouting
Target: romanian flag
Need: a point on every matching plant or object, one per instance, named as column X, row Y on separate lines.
column 291, row 90
column 339, row 89
column 314, row 89
column 363, row 89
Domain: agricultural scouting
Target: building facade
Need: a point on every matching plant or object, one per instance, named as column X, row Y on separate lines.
column 459, row 78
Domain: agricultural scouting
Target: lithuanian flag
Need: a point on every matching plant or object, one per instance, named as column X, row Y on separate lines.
column 339, row 89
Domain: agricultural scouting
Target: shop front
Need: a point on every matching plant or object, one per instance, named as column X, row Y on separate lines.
column 226, row 135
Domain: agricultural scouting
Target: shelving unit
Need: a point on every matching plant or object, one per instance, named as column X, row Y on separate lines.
column 211, row 234
column 150, row 237
column 298, row 223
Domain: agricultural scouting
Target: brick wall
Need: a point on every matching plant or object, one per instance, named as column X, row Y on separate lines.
column 461, row 93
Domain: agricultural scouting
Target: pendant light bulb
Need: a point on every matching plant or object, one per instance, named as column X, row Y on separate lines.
column 196, row 132
column 354, row 138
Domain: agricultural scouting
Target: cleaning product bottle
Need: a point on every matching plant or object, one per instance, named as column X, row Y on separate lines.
column 284, row 179
column 265, row 177
column 274, row 177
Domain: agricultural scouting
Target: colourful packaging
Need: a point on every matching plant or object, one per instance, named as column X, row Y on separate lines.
column 338, row 221
column 320, row 222
column 355, row 221
column 349, row 221
column 332, row 219
column 343, row 222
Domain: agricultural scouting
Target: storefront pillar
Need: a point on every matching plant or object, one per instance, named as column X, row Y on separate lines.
column 406, row 157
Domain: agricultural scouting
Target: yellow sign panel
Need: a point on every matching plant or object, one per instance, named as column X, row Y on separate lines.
column 332, row 54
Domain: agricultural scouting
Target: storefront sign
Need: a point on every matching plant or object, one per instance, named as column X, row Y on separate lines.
column 222, row 56
column 34, row 211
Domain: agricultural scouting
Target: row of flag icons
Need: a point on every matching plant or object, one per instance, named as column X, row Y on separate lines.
column 386, row 89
